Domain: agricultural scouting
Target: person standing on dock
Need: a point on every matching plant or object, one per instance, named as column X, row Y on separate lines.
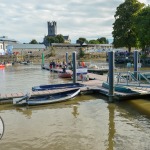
column 53, row 64
column 50, row 65
column 83, row 64
column 64, row 66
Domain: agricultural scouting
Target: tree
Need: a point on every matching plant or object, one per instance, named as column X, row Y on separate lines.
column 142, row 23
column 81, row 52
column 51, row 40
column 93, row 42
column 33, row 41
column 123, row 28
column 60, row 38
column 103, row 40
column 81, row 40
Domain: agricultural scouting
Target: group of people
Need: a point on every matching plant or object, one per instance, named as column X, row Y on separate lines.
column 64, row 65
column 58, row 64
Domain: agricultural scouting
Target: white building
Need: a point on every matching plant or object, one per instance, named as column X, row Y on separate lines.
column 2, row 52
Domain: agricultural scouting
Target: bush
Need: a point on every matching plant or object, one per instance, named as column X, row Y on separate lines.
column 81, row 53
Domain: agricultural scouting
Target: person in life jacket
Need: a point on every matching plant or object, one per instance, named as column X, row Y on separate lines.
column 83, row 64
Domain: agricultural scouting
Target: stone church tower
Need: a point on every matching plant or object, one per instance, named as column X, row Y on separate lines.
column 52, row 32
column 52, row 28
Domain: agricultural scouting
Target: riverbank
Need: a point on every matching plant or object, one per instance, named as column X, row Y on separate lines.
column 59, row 54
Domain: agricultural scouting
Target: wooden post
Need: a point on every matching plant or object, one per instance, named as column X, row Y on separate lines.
column 136, row 64
column 74, row 67
column 67, row 60
column 111, row 75
column 42, row 59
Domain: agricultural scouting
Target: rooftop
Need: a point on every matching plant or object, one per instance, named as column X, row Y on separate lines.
column 28, row 46
column 5, row 38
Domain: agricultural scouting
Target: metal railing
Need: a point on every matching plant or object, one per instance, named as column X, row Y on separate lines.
column 135, row 77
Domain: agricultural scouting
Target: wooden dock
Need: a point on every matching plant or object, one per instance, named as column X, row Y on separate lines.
column 94, row 85
column 7, row 98
column 88, row 84
column 59, row 70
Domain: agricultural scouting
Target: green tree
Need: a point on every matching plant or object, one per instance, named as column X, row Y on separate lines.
column 60, row 38
column 81, row 40
column 33, row 41
column 94, row 42
column 142, row 23
column 103, row 40
column 81, row 52
column 123, row 28
column 51, row 40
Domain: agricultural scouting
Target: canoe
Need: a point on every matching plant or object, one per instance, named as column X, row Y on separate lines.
column 57, row 86
column 46, row 99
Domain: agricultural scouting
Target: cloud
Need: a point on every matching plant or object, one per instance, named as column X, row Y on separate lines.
column 27, row 20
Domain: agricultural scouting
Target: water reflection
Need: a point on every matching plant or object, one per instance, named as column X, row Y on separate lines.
column 2, row 78
column 75, row 111
column 25, row 111
column 111, row 125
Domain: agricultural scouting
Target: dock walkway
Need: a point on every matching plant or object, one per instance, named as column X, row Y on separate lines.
column 94, row 85
column 88, row 84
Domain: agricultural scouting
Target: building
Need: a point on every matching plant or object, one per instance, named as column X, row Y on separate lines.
column 52, row 32
column 9, row 46
column 1, row 49
column 87, row 47
column 52, row 28
column 4, row 42
column 28, row 48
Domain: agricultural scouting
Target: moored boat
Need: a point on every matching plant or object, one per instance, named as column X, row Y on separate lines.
column 2, row 66
column 8, row 64
column 57, row 86
column 65, row 75
column 46, row 99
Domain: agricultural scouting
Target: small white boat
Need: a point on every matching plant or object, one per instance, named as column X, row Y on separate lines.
column 46, row 99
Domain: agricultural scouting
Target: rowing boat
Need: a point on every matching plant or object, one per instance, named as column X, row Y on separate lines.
column 46, row 99
column 57, row 86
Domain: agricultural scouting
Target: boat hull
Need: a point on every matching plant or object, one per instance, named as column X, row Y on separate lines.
column 65, row 75
column 57, row 86
column 47, row 99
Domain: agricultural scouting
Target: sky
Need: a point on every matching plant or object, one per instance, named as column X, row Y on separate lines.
column 27, row 20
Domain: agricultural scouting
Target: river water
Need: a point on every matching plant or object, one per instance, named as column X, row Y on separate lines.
column 87, row 122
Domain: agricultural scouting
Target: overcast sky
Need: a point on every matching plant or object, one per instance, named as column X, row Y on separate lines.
column 27, row 20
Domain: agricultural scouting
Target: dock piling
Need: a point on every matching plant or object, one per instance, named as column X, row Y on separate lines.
column 42, row 59
column 111, row 75
column 66, row 60
column 74, row 67
column 136, row 64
